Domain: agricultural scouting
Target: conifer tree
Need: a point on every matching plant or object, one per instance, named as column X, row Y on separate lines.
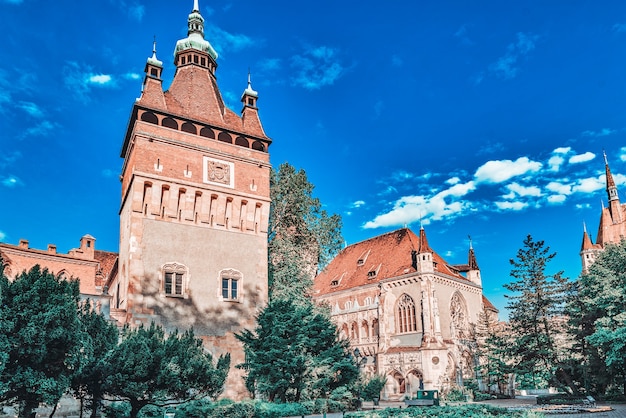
column 98, row 337
column 303, row 238
column 295, row 353
column 535, row 307
column 492, row 350
column 150, row 368
column 39, row 341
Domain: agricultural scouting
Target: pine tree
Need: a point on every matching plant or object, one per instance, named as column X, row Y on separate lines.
column 295, row 353
column 535, row 308
column 150, row 368
column 492, row 350
column 40, row 338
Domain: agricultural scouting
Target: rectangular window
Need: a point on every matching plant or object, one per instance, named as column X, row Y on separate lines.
column 230, row 290
column 174, row 284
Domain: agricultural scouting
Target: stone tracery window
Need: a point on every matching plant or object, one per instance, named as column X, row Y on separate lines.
column 405, row 314
column 458, row 316
column 231, row 281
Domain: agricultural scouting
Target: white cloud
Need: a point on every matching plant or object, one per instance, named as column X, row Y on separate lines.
column 589, row 185
column 2, row 236
column 80, row 78
column 453, row 180
column 562, row 150
column 11, row 181
column 317, row 67
column 601, row 132
column 43, row 128
column 560, row 188
column 31, row 108
column 409, row 209
column 101, row 79
column 132, row 76
column 515, row 206
column 555, row 162
column 581, row 158
column 557, row 198
column 357, row 204
column 507, row 66
column 622, row 153
column 226, row 41
column 499, row 171
column 520, row 190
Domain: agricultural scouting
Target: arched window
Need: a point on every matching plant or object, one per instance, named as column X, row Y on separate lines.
column 225, row 137
column 169, row 123
column 150, row 118
column 207, row 133
column 258, row 146
column 365, row 329
column 241, row 141
column 354, row 331
column 458, row 316
column 405, row 314
column 189, row 127
column 375, row 328
column 175, row 277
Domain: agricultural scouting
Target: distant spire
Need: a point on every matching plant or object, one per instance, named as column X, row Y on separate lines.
column 586, row 244
column 611, row 189
column 470, row 241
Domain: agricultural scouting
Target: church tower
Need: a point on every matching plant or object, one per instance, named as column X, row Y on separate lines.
column 612, row 227
column 194, row 206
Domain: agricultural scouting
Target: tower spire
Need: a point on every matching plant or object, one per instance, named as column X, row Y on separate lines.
column 611, row 190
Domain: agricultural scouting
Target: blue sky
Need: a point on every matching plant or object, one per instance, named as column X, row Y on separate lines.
column 481, row 118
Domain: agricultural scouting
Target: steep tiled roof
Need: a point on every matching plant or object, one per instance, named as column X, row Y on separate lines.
column 107, row 261
column 382, row 257
column 488, row 305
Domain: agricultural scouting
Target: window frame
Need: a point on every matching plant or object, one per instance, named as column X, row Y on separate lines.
column 227, row 278
column 176, row 271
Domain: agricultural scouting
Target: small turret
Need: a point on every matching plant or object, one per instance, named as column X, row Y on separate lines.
column 424, row 254
column 473, row 273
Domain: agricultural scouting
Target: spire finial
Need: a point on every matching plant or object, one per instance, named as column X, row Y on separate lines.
column 470, row 241
column 154, row 48
column 606, row 161
column 196, row 8
column 584, row 227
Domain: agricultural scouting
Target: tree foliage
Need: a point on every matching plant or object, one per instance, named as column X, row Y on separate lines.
column 535, row 310
column 38, row 324
column 295, row 353
column 492, row 350
column 302, row 236
column 97, row 337
column 597, row 310
column 150, row 368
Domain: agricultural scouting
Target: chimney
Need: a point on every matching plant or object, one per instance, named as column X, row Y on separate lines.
column 24, row 244
column 52, row 249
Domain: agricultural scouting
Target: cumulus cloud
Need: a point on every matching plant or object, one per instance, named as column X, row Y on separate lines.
column 559, row 188
column 499, row 171
column 317, row 67
column 514, row 206
column 507, row 66
column 556, row 199
column 581, row 158
column 622, row 154
column 589, row 185
column 519, row 190
column 357, row 204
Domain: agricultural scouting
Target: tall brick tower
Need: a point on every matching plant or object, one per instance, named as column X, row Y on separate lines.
column 195, row 205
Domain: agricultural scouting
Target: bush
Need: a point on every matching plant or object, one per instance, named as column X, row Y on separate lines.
column 373, row 387
column 473, row 411
column 455, row 395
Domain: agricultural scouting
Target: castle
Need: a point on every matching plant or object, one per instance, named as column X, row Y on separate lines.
column 406, row 311
column 612, row 226
column 194, row 211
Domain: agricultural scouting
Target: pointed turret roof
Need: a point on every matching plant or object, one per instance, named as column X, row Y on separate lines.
column 587, row 244
column 422, row 246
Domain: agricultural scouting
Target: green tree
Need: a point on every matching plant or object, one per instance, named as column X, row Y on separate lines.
column 98, row 337
column 40, row 338
column 492, row 351
column 535, row 308
column 302, row 236
column 598, row 315
column 295, row 353
column 150, row 368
